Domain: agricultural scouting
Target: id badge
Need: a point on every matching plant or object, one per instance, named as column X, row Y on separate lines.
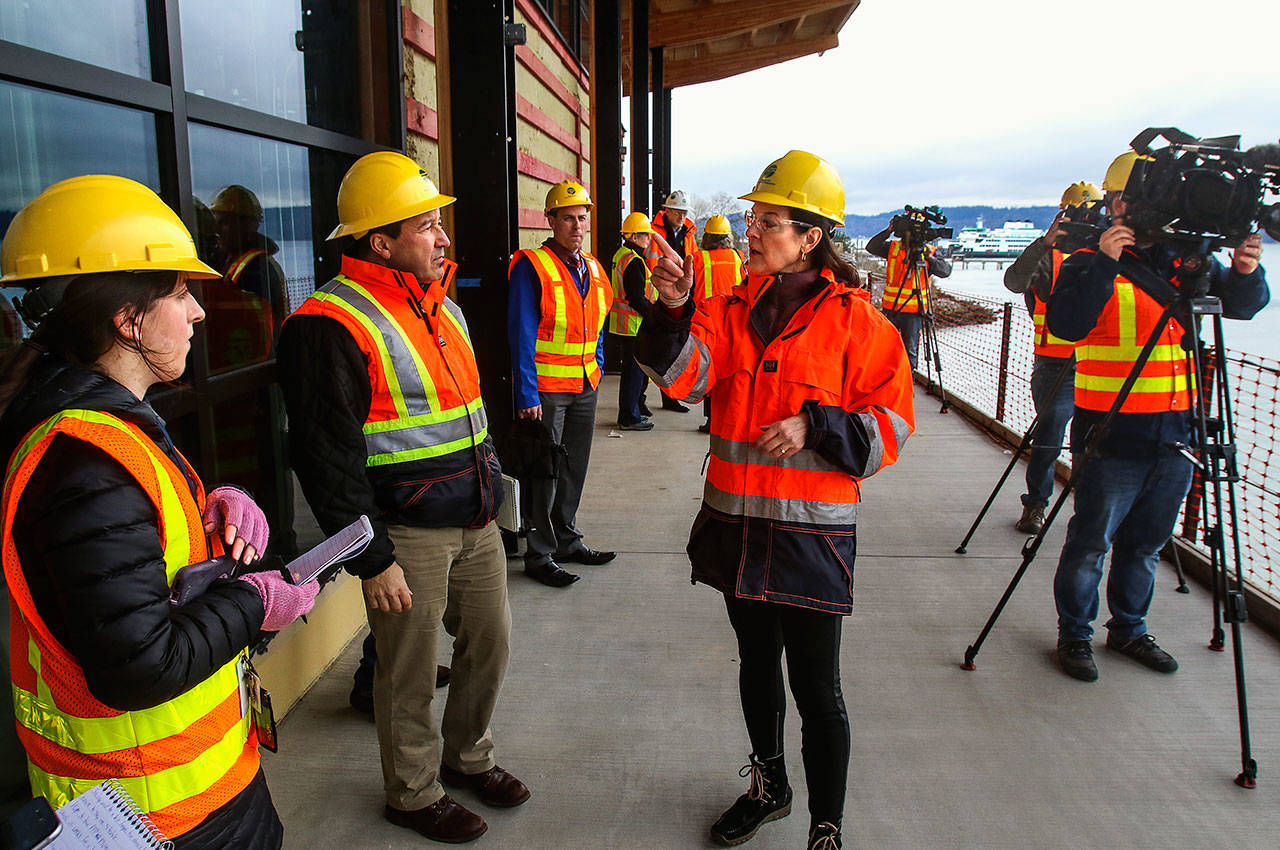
column 264, row 719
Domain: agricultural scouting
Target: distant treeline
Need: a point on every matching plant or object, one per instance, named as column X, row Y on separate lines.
column 862, row 226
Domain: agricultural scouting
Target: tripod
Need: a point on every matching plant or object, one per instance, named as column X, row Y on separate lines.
column 1216, row 459
column 1068, row 368
column 916, row 265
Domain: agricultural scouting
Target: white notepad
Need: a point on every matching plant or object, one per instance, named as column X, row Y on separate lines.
column 106, row 818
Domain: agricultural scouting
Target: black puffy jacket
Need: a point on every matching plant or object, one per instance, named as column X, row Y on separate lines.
column 88, row 540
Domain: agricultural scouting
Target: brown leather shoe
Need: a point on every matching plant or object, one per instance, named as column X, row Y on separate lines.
column 444, row 820
column 495, row 786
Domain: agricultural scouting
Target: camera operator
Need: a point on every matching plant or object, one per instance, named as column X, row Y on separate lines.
column 906, row 289
column 1129, row 492
column 1033, row 275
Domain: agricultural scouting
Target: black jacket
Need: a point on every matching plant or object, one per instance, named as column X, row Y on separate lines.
column 325, row 380
column 88, row 540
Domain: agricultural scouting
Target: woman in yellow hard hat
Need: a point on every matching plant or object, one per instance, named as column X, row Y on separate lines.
column 111, row 679
column 810, row 392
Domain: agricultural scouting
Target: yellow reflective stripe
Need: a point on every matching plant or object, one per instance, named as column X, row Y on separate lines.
column 543, row 258
column 388, row 368
column 1153, row 384
column 457, row 326
column 428, row 385
column 560, row 329
column 244, row 261
column 568, row 349
column 1163, row 352
column 434, row 418
column 1127, row 311
column 707, row 266
column 555, row 370
column 97, row 735
column 428, row 451
column 161, row 789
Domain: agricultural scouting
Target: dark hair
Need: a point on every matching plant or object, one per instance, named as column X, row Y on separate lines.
column 716, row 240
column 826, row 255
column 360, row 249
column 82, row 327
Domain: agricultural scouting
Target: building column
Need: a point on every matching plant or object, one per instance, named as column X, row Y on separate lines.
column 606, row 132
column 661, row 134
column 639, row 147
column 485, row 218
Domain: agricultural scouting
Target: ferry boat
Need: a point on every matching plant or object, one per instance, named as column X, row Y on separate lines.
column 980, row 243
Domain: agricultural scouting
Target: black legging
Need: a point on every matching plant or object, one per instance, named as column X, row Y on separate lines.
column 812, row 642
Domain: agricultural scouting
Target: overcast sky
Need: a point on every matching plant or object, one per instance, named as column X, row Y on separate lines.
column 986, row 101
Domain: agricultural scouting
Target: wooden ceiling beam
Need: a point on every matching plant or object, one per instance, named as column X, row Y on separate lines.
column 710, row 21
column 717, row 67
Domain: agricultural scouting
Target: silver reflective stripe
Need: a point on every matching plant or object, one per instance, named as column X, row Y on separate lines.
column 412, row 436
column 735, row 451
column 875, row 442
column 782, row 510
column 900, row 428
column 681, row 363
column 456, row 312
column 412, row 389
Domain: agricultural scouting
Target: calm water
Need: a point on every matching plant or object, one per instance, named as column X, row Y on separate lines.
column 1259, row 336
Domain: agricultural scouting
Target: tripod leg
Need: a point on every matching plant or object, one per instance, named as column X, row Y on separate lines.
column 1177, row 568
column 1022, row 447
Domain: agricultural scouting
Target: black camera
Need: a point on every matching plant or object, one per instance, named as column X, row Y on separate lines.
column 917, row 225
column 1081, row 225
column 1204, row 191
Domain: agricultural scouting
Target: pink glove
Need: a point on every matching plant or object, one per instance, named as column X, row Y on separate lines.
column 233, row 515
column 284, row 602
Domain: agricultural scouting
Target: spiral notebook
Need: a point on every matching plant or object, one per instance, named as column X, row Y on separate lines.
column 106, row 818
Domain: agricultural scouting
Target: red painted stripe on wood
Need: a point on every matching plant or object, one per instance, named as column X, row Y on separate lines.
column 544, row 122
column 543, row 25
column 536, row 168
column 422, row 119
column 532, row 219
column 418, row 33
column 530, row 60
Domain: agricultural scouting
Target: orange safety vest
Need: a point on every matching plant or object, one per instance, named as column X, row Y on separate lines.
column 715, row 272
column 900, row 294
column 242, row 262
column 180, row 760
column 426, row 402
column 623, row 320
column 755, row 386
column 1046, row 344
column 569, row 325
column 1105, row 357
column 652, row 254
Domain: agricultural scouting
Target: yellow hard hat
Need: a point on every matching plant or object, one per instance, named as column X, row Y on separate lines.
column 1118, row 172
column 804, row 181
column 568, row 193
column 636, row 222
column 1079, row 193
column 717, row 225
column 382, row 188
column 97, row 223
column 237, row 200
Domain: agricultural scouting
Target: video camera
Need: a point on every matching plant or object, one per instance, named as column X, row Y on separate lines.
column 916, row 225
column 1203, row 191
column 1081, row 225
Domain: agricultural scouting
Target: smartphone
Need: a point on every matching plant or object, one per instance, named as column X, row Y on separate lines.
column 32, row 827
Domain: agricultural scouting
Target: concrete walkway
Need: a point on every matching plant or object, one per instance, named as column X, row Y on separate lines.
column 620, row 708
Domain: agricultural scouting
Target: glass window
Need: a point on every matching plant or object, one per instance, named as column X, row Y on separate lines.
column 107, row 34
column 295, row 60
column 43, row 141
column 253, row 201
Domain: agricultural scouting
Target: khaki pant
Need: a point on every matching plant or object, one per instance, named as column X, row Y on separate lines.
column 459, row 577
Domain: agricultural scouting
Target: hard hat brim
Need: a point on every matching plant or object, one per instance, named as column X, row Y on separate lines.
column 784, row 201
column 359, row 228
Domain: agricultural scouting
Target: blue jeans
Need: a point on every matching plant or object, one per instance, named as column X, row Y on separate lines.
column 631, row 384
column 908, row 325
column 1128, row 505
column 1053, row 412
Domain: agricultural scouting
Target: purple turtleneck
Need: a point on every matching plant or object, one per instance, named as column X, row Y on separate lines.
column 781, row 301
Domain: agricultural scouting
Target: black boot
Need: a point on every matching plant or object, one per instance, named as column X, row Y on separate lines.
column 825, row 836
column 769, row 798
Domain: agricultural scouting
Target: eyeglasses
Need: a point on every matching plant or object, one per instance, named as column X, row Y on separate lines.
column 768, row 225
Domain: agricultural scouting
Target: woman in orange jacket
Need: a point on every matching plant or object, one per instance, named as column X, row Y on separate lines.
column 810, row 393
